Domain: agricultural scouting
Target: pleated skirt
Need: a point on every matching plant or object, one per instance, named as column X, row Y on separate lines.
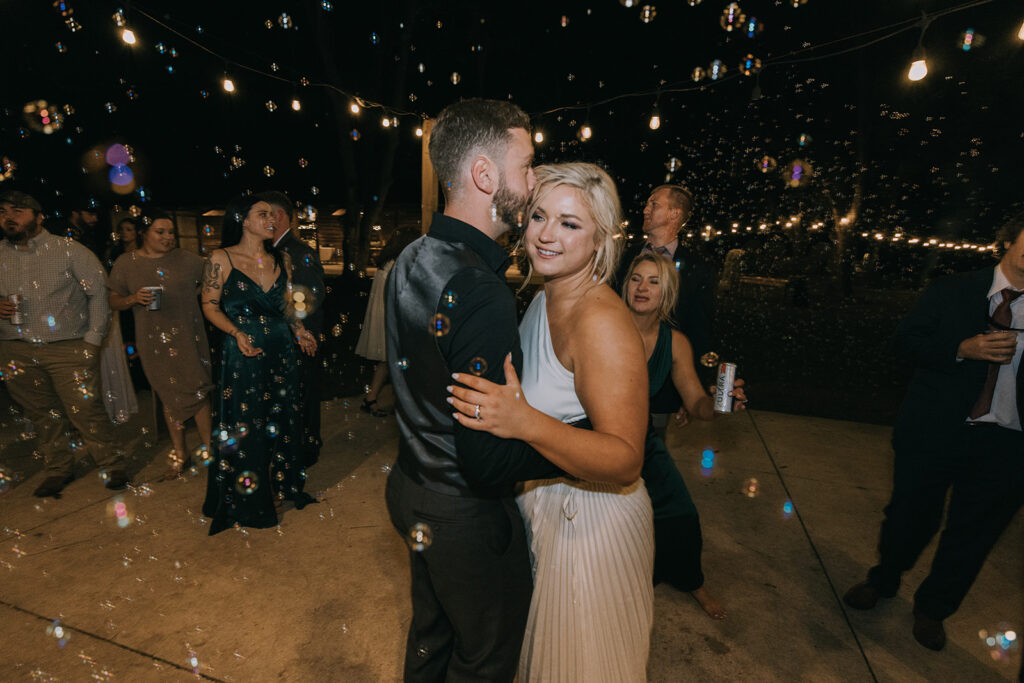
column 592, row 551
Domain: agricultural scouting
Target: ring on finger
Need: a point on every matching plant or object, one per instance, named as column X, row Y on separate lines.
column 476, row 413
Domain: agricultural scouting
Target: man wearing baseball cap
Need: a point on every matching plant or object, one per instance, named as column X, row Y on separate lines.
column 53, row 317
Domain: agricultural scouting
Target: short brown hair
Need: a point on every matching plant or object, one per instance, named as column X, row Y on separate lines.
column 471, row 126
column 1009, row 232
column 681, row 197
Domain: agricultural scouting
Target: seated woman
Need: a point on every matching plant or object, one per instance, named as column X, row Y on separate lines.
column 591, row 534
column 650, row 291
column 258, row 446
column 171, row 340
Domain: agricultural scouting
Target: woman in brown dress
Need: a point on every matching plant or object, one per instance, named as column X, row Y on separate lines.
column 171, row 339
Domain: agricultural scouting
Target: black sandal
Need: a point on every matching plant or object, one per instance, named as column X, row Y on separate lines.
column 367, row 407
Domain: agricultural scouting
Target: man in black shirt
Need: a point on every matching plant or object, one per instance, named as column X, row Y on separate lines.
column 450, row 492
column 306, row 304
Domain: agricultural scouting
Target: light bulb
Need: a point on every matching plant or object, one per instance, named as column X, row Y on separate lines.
column 918, row 70
column 1020, row 32
column 655, row 123
column 419, row 132
column 386, row 122
column 229, row 85
column 354, row 108
column 586, row 132
column 538, row 137
column 296, row 105
column 128, row 36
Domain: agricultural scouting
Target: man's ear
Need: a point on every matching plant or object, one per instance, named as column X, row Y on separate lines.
column 484, row 174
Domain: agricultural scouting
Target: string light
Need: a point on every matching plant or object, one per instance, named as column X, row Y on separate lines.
column 228, row 84
column 419, row 132
column 919, row 64
column 655, row 122
column 354, row 108
column 128, row 36
column 386, row 122
column 586, row 132
column 538, row 137
column 1020, row 31
column 296, row 105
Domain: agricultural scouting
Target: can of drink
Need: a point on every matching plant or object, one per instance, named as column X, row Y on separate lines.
column 726, row 378
column 158, row 293
column 17, row 318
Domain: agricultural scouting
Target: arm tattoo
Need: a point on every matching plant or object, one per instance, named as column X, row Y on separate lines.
column 211, row 275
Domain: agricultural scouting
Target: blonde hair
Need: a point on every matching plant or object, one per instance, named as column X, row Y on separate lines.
column 597, row 189
column 668, row 282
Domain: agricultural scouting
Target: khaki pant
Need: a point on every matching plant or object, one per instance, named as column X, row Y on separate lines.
column 58, row 386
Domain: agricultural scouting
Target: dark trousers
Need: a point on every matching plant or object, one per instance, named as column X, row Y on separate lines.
column 471, row 587
column 310, row 371
column 984, row 466
column 678, row 542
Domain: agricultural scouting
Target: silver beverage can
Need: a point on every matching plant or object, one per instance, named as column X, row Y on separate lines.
column 158, row 294
column 726, row 378
column 17, row 318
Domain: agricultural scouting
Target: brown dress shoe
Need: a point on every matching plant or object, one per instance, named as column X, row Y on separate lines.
column 929, row 632
column 117, row 479
column 862, row 596
column 52, row 485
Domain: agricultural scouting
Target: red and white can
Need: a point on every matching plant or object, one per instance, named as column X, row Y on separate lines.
column 726, row 378
column 17, row 318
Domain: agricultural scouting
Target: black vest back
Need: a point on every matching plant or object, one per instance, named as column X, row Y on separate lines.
column 419, row 372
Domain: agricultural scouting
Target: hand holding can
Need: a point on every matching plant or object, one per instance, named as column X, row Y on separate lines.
column 17, row 317
column 150, row 297
column 723, row 387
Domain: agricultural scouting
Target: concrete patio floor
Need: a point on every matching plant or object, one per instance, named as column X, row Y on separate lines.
column 324, row 596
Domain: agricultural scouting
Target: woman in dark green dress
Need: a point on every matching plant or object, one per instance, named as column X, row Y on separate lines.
column 256, row 462
column 650, row 290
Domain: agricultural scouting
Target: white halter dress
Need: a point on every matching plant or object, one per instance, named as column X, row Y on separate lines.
column 591, row 545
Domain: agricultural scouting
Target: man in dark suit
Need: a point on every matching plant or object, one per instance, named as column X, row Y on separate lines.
column 307, row 279
column 960, row 428
column 667, row 210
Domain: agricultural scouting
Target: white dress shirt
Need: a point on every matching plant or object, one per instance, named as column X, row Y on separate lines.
column 1004, row 400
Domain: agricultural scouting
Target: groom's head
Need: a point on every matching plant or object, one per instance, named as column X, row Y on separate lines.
column 483, row 156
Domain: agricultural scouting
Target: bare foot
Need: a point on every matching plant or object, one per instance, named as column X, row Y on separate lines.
column 714, row 608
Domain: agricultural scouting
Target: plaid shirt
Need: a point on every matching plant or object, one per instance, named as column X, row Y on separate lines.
column 63, row 290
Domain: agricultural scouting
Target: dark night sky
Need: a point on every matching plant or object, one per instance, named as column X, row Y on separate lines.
column 938, row 157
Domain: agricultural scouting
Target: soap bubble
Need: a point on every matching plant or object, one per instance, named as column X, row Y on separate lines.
column 456, row 78
column 716, row 69
column 6, row 480
column 56, row 630
column 787, row 509
column 647, row 13
column 698, row 73
column 751, row 488
column 449, row 299
column 797, row 173
column 419, row 537
column 247, row 482
column 750, row 65
column 766, row 164
column 732, row 17
column 709, row 359
column 439, row 325
column 478, row 366
column 402, row 364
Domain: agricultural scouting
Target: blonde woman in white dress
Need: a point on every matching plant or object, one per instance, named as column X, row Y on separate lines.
column 591, row 535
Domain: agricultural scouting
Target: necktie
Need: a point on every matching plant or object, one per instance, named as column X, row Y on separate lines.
column 1001, row 317
column 661, row 251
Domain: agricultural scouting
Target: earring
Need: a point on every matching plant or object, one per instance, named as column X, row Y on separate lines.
column 494, row 212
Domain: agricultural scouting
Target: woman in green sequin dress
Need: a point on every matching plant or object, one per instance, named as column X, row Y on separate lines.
column 257, row 438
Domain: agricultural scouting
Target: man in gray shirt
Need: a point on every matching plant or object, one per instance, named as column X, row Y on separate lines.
column 53, row 317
